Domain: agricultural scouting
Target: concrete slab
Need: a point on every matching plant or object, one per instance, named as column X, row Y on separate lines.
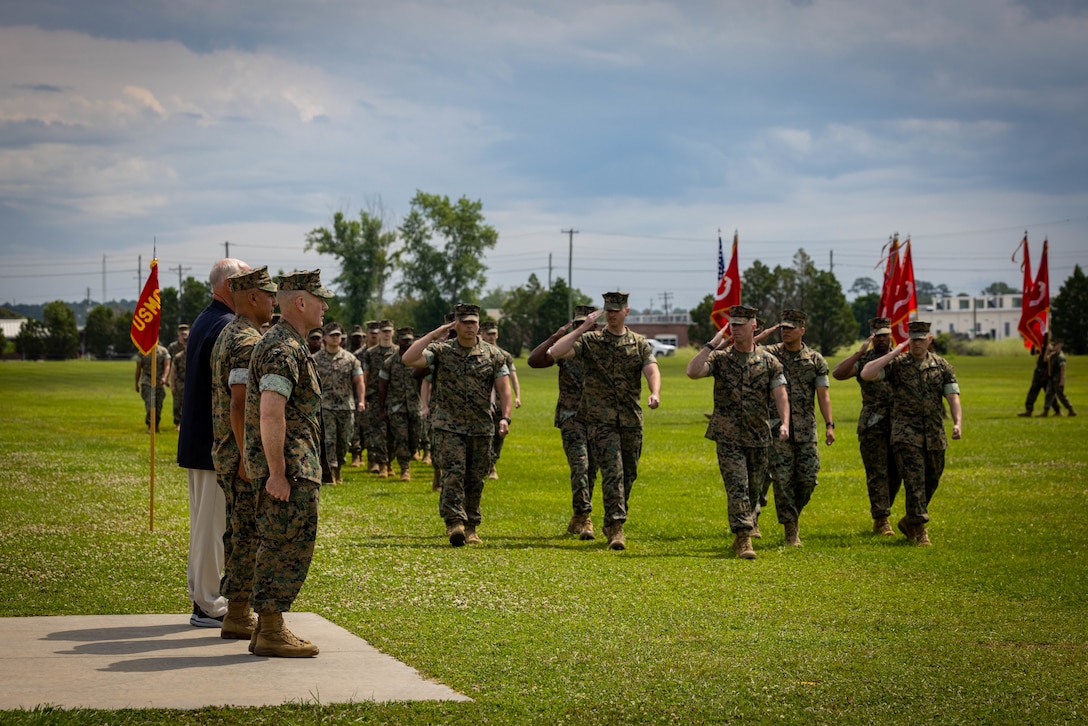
column 160, row 661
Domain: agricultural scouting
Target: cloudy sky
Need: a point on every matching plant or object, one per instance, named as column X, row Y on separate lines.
column 646, row 126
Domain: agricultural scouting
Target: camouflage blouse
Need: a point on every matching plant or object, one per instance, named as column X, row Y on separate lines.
column 876, row 396
column 917, row 408
column 403, row 391
column 805, row 370
column 373, row 360
column 337, row 375
column 230, row 366
column 743, row 382
column 463, row 380
column 612, row 383
column 282, row 363
column 571, row 373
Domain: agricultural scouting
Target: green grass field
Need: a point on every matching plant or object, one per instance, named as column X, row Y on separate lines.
column 990, row 625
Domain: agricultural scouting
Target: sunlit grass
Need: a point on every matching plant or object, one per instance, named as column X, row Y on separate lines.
column 988, row 625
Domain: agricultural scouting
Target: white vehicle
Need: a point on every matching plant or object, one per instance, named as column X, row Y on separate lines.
column 660, row 348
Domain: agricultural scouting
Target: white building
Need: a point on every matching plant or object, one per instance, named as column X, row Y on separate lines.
column 984, row 316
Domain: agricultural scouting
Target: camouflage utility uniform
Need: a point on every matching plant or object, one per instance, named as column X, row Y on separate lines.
column 177, row 368
column 377, row 431
column 743, row 383
column 875, row 440
column 337, row 375
column 796, row 462
column 611, row 389
column 572, row 429
column 159, row 389
column 282, row 363
column 230, row 367
column 496, row 411
column 918, row 388
column 460, row 414
column 402, row 408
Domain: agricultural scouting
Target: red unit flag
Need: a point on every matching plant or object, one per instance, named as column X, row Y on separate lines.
column 146, row 319
column 728, row 293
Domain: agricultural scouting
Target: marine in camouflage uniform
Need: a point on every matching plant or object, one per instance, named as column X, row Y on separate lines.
column 282, row 454
column 745, row 378
column 398, row 399
column 378, row 433
column 1055, row 388
column 177, row 371
column 882, row 479
column 614, row 359
column 254, row 298
column 342, row 393
column 572, row 430
column 144, row 386
column 362, row 421
column 489, row 331
column 795, row 463
column 465, row 371
column 918, row 379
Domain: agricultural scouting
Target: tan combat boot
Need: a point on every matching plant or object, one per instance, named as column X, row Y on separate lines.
column 616, row 538
column 754, row 533
column 406, row 473
column 456, row 533
column 427, row 459
column 922, row 537
column 336, row 478
column 492, row 474
column 577, row 522
column 882, row 526
column 275, row 640
column 742, row 545
column 793, row 534
column 470, row 535
column 587, row 530
column 253, row 638
column 239, row 623
column 356, row 461
column 907, row 529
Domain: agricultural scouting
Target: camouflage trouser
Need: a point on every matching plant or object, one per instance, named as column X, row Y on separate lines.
column 178, row 394
column 358, row 434
column 464, row 461
column 160, row 394
column 793, row 469
column 922, row 469
column 583, row 470
column 1054, row 394
column 405, row 425
column 496, row 440
column 240, row 537
column 1039, row 382
column 377, row 433
column 616, row 450
column 286, row 531
column 881, row 474
column 338, row 427
column 744, row 473
column 425, row 435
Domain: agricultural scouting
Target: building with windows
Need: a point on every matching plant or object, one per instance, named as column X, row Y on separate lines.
column 994, row 317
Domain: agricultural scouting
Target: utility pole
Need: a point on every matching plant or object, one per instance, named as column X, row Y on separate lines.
column 549, row 270
column 570, row 269
column 180, row 269
column 103, row 279
column 831, row 253
column 666, row 300
column 139, row 281
column 226, row 248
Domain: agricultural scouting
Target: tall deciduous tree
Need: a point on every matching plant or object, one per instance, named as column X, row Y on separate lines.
column 1069, row 313
column 62, row 338
column 702, row 329
column 441, row 277
column 367, row 260
column 30, row 342
column 194, row 296
column 98, row 332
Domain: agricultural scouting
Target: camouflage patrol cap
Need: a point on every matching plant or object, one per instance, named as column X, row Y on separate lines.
column 405, row 333
column 372, row 326
column 333, row 327
column 582, row 311
column 305, row 280
column 316, row 333
column 450, row 317
column 792, row 319
column 615, row 300
column 880, row 326
column 467, row 313
column 386, row 325
column 741, row 312
column 183, row 327
column 916, row 329
column 357, row 330
column 256, row 279
column 488, row 325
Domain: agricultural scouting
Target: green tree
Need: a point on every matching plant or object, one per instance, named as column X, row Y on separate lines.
column 865, row 308
column 865, row 286
column 367, row 260
column 123, row 347
column 831, row 322
column 521, row 315
column 195, row 295
column 30, row 342
column 1069, row 313
column 62, row 337
column 3, row 343
column 442, row 277
column 553, row 309
column 702, row 329
column 99, row 331
column 999, row 288
column 168, row 314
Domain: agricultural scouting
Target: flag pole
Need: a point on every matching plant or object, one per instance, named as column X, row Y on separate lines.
column 153, row 429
